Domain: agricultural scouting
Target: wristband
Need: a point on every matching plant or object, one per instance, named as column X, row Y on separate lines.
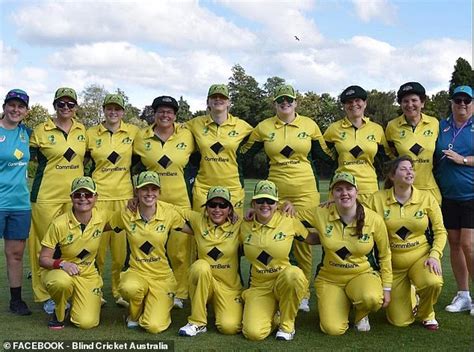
column 388, row 289
column 56, row 263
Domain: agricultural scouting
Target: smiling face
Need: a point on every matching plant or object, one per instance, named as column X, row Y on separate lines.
column 83, row 200
column 113, row 114
column 404, row 174
column 218, row 210
column 345, row 195
column 285, row 106
column 148, row 195
column 355, row 108
column 14, row 110
column 411, row 105
column 264, row 209
column 218, row 103
column 461, row 105
column 165, row 117
column 65, row 108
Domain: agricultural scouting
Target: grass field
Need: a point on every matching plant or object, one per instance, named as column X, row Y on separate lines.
column 455, row 332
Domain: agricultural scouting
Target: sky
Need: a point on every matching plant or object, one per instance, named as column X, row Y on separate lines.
column 150, row 48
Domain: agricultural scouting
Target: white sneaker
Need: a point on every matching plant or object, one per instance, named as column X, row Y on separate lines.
column 178, row 303
column 459, row 304
column 431, row 324
column 191, row 330
column 131, row 324
column 48, row 306
column 363, row 324
column 287, row 336
column 304, row 305
column 472, row 310
column 121, row 302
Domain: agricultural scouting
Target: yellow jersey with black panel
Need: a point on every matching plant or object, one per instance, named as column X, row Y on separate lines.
column 418, row 143
column 78, row 244
column 219, row 246
column 267, row 247
column 111, row 154
column 147, row 239
column 60, row 158
column 357, row 149
column 407, row 226
column 169, row 160
column 345, row 255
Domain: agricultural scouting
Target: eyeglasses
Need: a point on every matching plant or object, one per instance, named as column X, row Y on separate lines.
column 214, row 205
column 265, row 200
column 165, row 112
column 280, row 100
column 62, row 104
column 459, row 101
column 80, row 195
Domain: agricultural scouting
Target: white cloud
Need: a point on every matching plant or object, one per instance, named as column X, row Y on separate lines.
column 382, row 10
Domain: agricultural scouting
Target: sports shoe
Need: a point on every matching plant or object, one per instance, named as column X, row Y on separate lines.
column 131, row 324
column 459, row 304
column 178, row 303
column 472, row 310
column 286, row 336
column 54, row 323
column 431, row 324
column 48, row 306
column 191, row 330
column 121, row 302
column 363, row 324
column 19, row 307
column 304, row 305
column 103, row 301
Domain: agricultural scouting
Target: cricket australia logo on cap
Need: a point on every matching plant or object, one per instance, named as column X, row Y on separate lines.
column 407, row 87
column 350, row 92
column 166, row 100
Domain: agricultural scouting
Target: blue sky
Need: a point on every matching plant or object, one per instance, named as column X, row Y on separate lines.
column 179, row 48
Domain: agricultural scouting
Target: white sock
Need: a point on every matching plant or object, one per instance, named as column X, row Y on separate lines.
column 464, row 294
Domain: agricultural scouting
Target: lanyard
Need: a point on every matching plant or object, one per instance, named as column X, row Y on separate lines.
column 456, row 133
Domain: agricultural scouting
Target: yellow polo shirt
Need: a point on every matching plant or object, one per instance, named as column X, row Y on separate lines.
column 77, row 246
column 60, row 160
column 267, row 247
column 111, row 154
column 344, row 254
column 169, row 160
column 147, row 239
column 407, row 225
column 356, row 149
column 218, row 145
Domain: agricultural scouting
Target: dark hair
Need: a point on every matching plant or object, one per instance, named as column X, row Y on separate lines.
column 360, row 219
column 391, row 168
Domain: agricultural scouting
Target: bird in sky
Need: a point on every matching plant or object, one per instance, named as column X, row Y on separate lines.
column 298, row 39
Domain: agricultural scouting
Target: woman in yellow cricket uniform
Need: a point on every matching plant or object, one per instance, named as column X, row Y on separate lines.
column 275, row 284
column 218, row 137
column 148, row 284
column 358, row 142
column 214, row 277
column 68, row 254
column 415, row 256
column 292, row 143
column 109, row 145
column 165, row 147
column 59, row 146
column 414, row 134
column 349, row 233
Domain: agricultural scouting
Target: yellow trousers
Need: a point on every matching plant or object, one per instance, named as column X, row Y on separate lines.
column 262, row 302
column 117, row 242
column 428, row 287
column 227, row 303
column 42, row 214
column 84, row 292
column 179, row 253
column 364, row 292
column 151, row 299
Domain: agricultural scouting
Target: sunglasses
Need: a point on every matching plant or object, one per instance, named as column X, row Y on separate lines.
column 62, row 104
column 459, row 101
column 265, row 200
column 280, row 100
column 214, row 205
column 80, row 195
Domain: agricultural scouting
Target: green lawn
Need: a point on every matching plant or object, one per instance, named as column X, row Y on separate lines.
column 455, row 332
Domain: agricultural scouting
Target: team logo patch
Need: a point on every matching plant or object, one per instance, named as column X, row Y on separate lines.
column 371, row 137
column 271, row 137
column 233, row 133
column 386, row 213
column 428, row 133
column 22, row 137
column 133, row 227
column 96, row 233
column 97, row 291
column 248, row 238
column 280, row 236
column 205, row 130
column 419, row 214
column 205, row 233
column 51, row 139
column 127, row 140
column 18, row 154
column 228, row 234
column 329, row 229
column 302, row 135
column 239, row 204
column 181, row 146
column 69, row 238
column 81, row 138
column 364, row 238
column 2, row 139
column 160, row 228
column 343, row 135
column 403, row 134
column 147, row 146
column 98, row 143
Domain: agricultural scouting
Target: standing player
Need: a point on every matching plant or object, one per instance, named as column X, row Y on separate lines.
column 68, row 253
column 59, row 146
column 109, row 146
column 292, row 143
column 165, row 147
column 358, row 142
column 414, row 134
column 15, row 209
column 218, row 136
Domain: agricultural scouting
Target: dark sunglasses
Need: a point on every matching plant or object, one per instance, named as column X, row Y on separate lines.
column 280, row 100
column 62, row 104
column 214, row 205
column 79, row 195
column 466, row 101
column 265, row 200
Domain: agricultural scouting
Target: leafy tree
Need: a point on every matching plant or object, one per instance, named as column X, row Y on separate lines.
column 271, row 84
column 36, row 115
column 184, row 112
column 381, row 106
column 199, row 113
column 438, row 105
column 148, row 115
column 90, row 111
column 462, row 75
column 328, row 110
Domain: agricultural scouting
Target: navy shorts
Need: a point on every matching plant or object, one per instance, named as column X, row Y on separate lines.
column 458, row 214
column 15, row 225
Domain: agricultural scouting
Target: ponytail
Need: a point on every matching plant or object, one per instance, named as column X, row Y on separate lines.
column 360, row 219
